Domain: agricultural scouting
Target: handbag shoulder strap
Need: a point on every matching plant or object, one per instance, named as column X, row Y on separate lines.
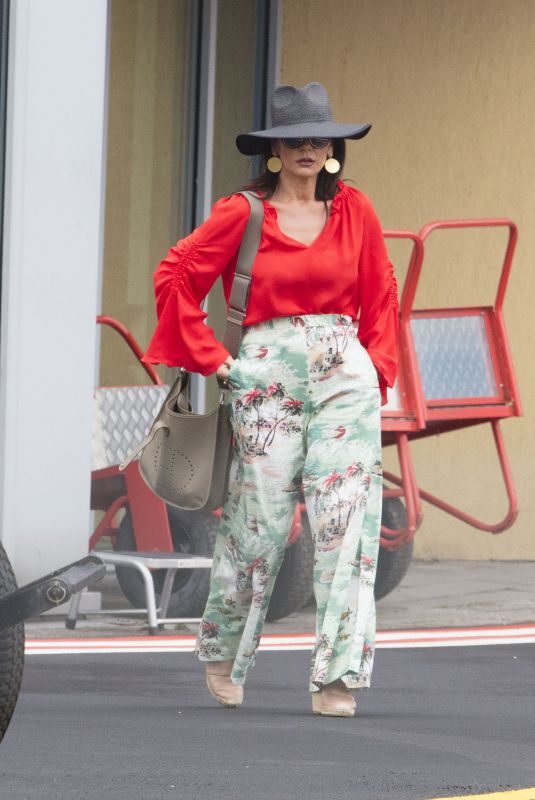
column 239, row 294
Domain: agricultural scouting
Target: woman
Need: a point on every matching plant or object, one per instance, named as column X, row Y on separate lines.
column 306, row 392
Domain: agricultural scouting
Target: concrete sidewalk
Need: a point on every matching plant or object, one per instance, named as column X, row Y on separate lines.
column 432, row 594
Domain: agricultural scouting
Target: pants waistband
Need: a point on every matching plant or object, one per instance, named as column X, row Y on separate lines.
column 305, row 320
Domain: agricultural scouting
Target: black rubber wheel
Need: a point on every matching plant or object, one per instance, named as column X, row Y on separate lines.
column 392, row 564
column 293, row 584
column 11, row 651
column 192, row 532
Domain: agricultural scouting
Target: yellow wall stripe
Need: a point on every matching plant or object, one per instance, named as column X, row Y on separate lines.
column 518, row 794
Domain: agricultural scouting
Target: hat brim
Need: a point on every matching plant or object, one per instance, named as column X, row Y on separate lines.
column 251, row 144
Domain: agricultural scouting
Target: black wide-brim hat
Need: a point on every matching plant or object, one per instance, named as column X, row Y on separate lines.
column 299, row 113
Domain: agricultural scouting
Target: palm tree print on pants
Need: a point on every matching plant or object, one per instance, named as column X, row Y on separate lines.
column 331, row 358
column 278, row 409
column 337, row 499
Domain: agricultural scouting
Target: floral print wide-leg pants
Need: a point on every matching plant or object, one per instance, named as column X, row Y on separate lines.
column 305, row 410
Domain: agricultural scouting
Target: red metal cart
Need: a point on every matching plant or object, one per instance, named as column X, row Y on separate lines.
column 456, row 371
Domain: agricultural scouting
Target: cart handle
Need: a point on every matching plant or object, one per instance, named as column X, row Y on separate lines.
column 132, row 343
column 498, row 222
column 414, row 269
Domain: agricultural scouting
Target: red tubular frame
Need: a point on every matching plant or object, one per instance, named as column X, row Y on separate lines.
column 108, row 524
column 497, row 222
column 125, row 334
column 150, row 522
column 420, row 417
column 457, row 413
column 512, row 512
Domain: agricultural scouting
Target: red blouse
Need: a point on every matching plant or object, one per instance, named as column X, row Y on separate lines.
column 346, row 270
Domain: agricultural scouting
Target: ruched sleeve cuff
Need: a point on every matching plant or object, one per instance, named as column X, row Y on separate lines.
column 180, row 341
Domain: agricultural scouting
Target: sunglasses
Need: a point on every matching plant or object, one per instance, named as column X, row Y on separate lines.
column 316, row 142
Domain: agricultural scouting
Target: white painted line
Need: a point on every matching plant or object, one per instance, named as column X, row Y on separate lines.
column 444, row 637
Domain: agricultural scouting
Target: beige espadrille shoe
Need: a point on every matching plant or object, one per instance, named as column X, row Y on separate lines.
column 334, row 700
column 220, row 685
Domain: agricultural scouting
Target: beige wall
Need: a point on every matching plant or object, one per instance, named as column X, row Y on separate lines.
column 449, row 86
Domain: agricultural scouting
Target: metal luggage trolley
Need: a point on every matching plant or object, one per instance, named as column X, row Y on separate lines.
column 455, row 372
column 122, row 418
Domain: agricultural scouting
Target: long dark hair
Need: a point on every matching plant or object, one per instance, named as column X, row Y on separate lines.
column 326, row 183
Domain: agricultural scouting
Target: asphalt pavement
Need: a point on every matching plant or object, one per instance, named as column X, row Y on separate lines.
column 436, row 723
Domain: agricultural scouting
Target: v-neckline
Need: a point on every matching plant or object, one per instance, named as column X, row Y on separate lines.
column 292, row 238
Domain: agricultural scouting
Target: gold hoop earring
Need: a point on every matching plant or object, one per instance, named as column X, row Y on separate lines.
column 332, row 165
column 274, row 164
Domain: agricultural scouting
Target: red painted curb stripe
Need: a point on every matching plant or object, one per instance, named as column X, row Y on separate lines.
column 387, row 635
column 437, row 637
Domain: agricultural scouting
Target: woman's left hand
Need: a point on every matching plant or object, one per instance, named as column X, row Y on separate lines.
column 223, row 370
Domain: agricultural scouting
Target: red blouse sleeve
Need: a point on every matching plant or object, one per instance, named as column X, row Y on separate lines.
column 182, row 281
column 378, row 301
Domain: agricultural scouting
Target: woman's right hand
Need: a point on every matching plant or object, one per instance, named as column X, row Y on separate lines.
column 223, row 370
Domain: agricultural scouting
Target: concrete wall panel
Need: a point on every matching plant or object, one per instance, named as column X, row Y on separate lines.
column 51, row 266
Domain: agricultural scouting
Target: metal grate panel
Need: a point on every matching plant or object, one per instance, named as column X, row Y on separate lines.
column 122, row 418
column 454, row 357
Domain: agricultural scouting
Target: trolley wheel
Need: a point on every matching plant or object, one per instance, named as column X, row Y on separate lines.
column 293, row 584
column 392, row 565
column 11, row 651
column 192, row 532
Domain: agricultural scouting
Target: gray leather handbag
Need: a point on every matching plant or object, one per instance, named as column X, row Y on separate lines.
column 186, row 457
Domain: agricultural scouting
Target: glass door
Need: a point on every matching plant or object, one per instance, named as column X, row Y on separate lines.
column 150, row 62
